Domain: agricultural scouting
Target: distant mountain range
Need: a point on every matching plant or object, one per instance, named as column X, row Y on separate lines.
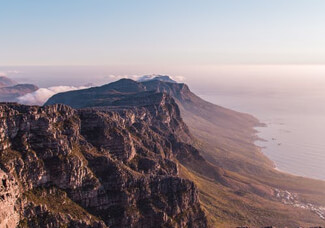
column 10, row 90
column 5, row 81
column 146, row 153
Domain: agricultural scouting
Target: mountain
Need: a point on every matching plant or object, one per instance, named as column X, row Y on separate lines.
column 237, row 184
column 97, row 167
column 11, row 93
column 5, row 81
column 232, row 129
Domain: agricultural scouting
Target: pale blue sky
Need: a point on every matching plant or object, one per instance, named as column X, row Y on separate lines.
column 169, row 32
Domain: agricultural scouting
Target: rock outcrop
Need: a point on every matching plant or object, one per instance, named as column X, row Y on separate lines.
column 111, row 166
column 9, row 194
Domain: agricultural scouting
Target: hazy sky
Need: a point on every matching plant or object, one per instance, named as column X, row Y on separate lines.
column 165, row 33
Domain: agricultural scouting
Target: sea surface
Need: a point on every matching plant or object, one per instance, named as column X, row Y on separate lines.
column 295, row 118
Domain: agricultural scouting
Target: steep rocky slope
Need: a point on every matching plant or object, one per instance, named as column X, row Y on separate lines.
column 100, row 167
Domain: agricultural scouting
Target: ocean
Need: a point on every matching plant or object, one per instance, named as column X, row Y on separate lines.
column 295, row 119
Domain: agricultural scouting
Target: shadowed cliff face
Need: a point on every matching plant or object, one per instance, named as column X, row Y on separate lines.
column 97, row 167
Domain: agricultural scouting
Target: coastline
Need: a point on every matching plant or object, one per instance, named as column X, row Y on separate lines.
column 257, row 138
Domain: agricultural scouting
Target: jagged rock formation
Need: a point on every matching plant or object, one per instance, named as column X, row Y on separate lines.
column 9, row 194
column 97, row 167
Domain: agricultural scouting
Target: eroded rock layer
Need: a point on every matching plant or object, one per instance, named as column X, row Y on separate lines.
column 98, row 167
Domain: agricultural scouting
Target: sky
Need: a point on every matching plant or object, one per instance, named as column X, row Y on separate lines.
column 210, row 45
column 170, row 33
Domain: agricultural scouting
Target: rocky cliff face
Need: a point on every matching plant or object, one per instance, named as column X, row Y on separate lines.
column 97, row 167
column 9, row 194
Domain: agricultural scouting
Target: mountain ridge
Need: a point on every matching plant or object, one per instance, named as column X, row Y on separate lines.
column 225, row 138
column 190, row 106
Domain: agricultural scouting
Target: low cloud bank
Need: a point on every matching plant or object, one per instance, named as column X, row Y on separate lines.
column 177, row 78
column 9, row 72
column 40, row 96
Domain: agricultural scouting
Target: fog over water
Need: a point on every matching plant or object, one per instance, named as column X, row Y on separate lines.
column 290, row 99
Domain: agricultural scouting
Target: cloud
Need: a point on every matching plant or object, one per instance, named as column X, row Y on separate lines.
column 178, row 78
column 14, row 72
column 9, row 72
column 40, row 96
column 135, row 77
column 117, row 77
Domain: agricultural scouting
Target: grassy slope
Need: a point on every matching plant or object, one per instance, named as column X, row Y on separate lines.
column 228, row 208
column 226, row 140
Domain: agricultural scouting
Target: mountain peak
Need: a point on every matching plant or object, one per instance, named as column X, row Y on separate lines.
column 157, row 77
column 124, row 85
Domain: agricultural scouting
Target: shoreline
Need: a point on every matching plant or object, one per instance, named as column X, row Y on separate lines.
column 275, row 166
